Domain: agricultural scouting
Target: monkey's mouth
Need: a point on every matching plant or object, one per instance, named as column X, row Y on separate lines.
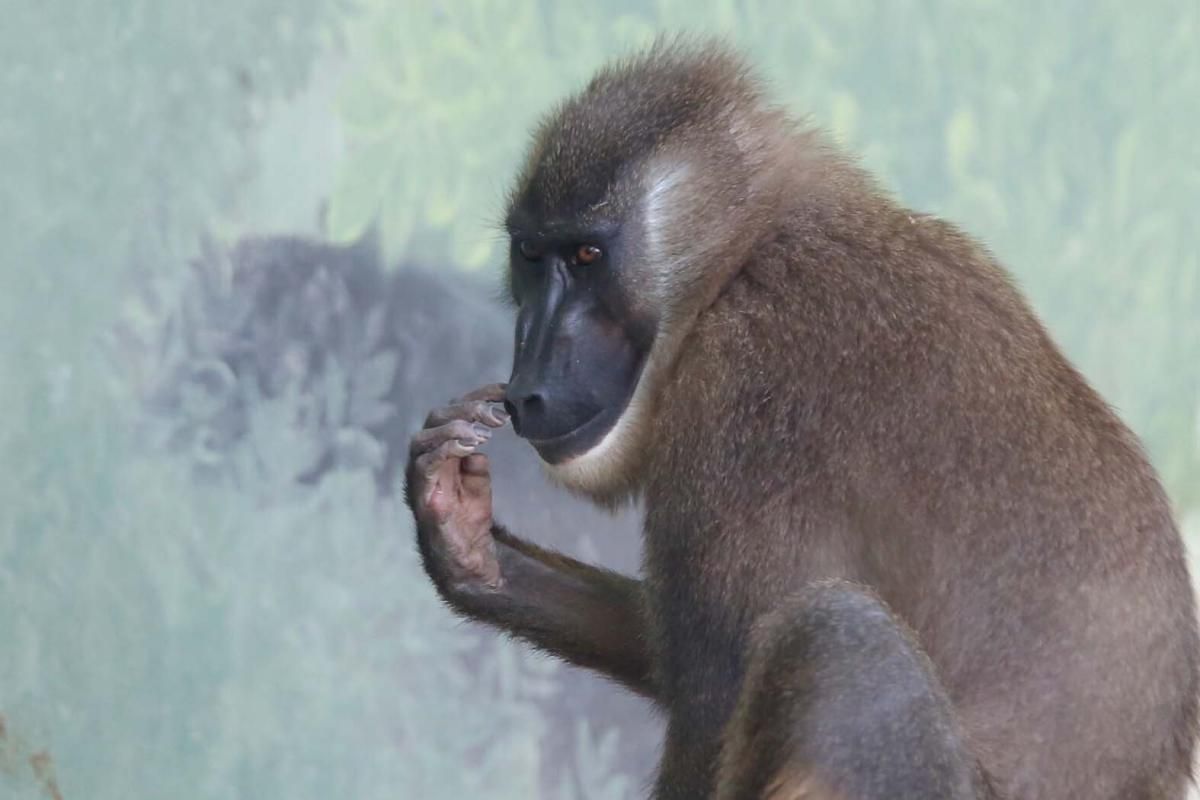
column 563, row 447
column 558, row 449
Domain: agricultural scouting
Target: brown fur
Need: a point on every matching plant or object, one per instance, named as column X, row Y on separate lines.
column 845, row 389
column 799, row 786
column 895, row 415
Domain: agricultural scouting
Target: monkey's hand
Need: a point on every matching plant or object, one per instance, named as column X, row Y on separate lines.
column 449, row 489
column 589, row 616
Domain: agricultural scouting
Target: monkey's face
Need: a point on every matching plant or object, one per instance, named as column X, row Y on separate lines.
column 625, row 222
column 580, row 344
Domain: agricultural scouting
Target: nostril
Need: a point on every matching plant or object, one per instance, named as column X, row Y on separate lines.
column 523, row 406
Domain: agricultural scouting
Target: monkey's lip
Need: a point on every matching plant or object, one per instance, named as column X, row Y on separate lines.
column 558, row 449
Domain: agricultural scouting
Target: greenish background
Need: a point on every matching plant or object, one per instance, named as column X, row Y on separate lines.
column 165, row 634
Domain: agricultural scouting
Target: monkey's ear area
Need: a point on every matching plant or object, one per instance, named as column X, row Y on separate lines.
column 665, row 177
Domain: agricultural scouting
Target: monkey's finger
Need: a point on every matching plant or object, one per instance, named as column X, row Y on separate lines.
column 493, row 392
column 475, row 479
column 430, row 463
column 476, row 465
column 468, row 434
column 485, row 411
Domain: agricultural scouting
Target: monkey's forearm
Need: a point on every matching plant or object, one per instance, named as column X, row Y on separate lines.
column 589, row 616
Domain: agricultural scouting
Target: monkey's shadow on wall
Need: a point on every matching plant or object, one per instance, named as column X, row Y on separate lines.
column 367, row 352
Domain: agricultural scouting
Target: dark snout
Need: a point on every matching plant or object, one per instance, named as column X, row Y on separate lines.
column 544, row 407
column 574, row 370
column 556, row 384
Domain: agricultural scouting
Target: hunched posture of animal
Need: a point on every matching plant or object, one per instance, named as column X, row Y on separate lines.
column 895, row 545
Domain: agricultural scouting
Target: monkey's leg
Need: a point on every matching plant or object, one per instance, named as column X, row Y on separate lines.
column 839, row 703
column 589, row 616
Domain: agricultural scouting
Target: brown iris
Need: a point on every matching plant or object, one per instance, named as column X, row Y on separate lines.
column 587, row 254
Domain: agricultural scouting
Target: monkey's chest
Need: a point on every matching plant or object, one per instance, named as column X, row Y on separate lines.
column 708, row 582
column 700, row 636
column 699, row 649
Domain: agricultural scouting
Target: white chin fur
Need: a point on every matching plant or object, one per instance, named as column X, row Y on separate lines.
column 605, row 472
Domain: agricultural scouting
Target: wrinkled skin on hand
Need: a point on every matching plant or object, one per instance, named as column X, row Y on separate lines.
column 449, row 489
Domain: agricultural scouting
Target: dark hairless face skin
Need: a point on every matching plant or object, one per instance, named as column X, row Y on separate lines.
column 578, row 353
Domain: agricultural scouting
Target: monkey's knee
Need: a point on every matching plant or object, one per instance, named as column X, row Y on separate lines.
column 840, row 702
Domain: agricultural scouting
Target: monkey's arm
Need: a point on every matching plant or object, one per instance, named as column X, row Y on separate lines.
column 589, row 616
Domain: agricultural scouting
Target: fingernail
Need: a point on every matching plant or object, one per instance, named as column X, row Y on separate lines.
column 482, row 431
column 499, row 412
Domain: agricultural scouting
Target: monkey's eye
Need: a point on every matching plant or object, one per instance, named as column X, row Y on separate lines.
column 587, row 254
column 529, row 251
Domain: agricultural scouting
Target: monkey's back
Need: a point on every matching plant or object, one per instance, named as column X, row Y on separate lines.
column 871, row 399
